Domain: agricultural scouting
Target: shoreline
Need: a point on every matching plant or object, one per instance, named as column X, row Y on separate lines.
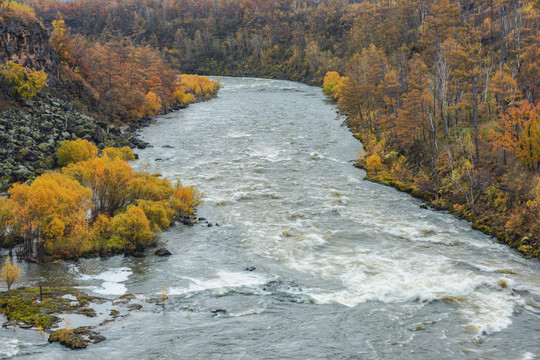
column 430, row 200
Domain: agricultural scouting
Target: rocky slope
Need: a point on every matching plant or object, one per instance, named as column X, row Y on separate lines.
column 31, row 133
column 27, row 43
column 29, row 138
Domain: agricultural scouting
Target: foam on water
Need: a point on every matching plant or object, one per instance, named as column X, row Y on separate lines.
column 112, row 280
column 9, row 347
column 486, row 302
column 223, row 280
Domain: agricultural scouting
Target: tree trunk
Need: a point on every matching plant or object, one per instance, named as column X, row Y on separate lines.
column 475, row 112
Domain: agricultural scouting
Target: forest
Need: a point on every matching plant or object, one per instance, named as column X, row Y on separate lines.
column 443, row 95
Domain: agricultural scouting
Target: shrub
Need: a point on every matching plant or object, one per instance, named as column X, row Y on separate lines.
column 72, row 151
column 25, row 83
column 10, row 273
column 131, row 229
column 373, row 163
column 124, row 153
column 184, row 200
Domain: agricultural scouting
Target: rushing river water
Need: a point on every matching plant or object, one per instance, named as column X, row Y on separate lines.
column 345, row 268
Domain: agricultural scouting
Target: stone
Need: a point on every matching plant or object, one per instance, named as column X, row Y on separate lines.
column 134, row 307
column 163, row 252
column 218, row 312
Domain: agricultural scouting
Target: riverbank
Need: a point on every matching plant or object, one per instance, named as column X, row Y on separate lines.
column 487, row 220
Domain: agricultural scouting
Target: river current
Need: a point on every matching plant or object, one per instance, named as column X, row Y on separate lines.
column 344, row 268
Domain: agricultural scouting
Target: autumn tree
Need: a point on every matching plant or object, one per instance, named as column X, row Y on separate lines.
column 518, row 132
column 158, row 213
column 25, row 83
column 184, row 200
column 146, row 186
column 48, row 210
column 6, row 208
column 332, row 82
column 72, row 151
column 124, row 153
column 131, row 229
column 10, row 272
column 61, row 40
column 108, row 181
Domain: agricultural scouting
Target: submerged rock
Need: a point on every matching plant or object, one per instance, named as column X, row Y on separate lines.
column 163, row 252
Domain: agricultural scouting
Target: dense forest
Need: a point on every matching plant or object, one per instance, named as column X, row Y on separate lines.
column 444, row 95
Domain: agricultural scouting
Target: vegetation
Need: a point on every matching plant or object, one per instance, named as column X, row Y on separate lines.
column 15, row 9
column 126, row 207
column 23, row 306
column 130, row 81
column 10, row 273
column 74, row 151
column 444, row 95
column 25, row 83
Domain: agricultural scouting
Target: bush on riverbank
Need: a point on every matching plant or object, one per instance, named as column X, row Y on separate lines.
column 93, row 206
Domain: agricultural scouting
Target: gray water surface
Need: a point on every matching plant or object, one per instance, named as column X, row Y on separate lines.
column 345, row 268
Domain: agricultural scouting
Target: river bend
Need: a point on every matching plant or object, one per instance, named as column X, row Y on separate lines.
column 345, row 268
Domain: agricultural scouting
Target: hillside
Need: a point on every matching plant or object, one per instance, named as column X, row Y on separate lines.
column 441, row 94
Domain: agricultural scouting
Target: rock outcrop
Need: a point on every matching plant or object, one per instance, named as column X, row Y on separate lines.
column 27, row 43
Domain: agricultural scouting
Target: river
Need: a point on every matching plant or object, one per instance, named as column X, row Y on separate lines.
column 345, row 268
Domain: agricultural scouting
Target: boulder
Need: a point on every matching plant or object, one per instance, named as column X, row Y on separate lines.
column 163, row 252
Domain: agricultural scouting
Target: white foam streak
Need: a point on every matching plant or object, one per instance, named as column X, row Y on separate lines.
column 112, row 281
column 9, row 348
column 484, row 301
column 224, row 280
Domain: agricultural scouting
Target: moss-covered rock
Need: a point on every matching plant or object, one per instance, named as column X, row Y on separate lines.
column 22, row 306
column 78, row 338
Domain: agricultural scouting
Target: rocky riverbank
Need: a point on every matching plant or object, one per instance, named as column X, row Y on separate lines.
column 30, row 136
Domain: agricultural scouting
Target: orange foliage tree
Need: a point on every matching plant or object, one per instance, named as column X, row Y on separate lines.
column 107, row 179
column 49, row 210
column 131, row 229
column 519, row 132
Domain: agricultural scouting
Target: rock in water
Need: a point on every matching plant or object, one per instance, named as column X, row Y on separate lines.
column 219, row 311
column 163, row 252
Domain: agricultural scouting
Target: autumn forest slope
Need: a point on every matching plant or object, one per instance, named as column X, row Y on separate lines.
column 444, row 95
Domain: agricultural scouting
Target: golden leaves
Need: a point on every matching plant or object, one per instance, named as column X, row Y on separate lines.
column 10, row 272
